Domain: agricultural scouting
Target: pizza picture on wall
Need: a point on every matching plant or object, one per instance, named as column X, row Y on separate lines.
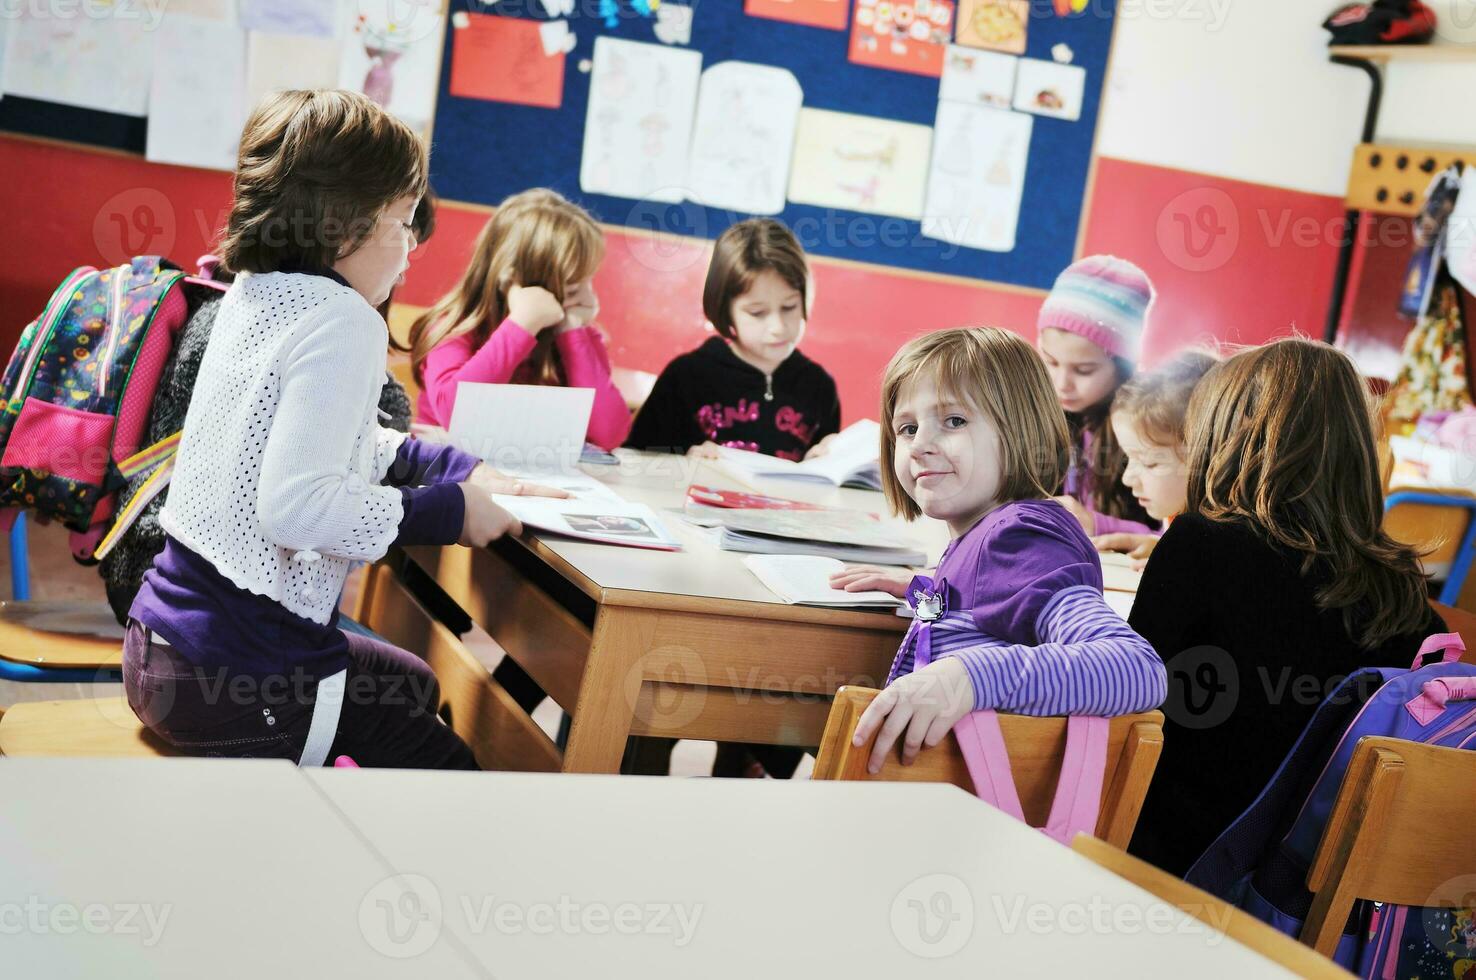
column 995, row 25
column 902, row 35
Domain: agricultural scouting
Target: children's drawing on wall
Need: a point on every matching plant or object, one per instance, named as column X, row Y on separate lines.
column 995, row 25
column 744, row 137
column 196, row 101
column 308, row 18
column 95, row 62
column 673, row 23
column 1050, row 89
column 637, row 132
column 860, row 163
column 977, row 176
column 902, row 35
column 396, row 62
column 978, row 77
column 506, row 59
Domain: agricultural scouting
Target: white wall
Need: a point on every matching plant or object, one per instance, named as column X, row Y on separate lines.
column 1243, row 89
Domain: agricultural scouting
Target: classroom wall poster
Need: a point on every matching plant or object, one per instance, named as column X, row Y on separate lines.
column 288, row 61
column 394, row 62
column 860, row 163
column 307, row 18
column 1048, row 89
column 977, row 176
column 501, row 59
column 197, row 98
column 902, row 35
column 995, row 25
column 830, row 14
column 978, row 77
column 743, row 138
column 638, row 129
column 101, row 63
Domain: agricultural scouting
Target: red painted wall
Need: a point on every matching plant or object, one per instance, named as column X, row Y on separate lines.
column 1232, row 261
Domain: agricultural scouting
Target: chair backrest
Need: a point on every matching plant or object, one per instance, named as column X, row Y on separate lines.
column 1240, row 926
column 1035, row 745
column 1399, row 833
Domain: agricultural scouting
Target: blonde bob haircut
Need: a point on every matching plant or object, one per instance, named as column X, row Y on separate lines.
column 314, row 173
column 1001, row 376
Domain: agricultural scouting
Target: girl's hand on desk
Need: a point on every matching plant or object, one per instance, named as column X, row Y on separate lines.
column 1137, row 546
column 822, row 447
column 493, row 481
column 708, row 450
column 865, row 578
column 920, row 708
column 485, row 521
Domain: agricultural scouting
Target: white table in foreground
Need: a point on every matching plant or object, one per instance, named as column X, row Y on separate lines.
column 579, row 875
column 192, row 868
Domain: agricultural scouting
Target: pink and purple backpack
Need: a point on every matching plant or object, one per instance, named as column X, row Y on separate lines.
column 1260, row 862
column 76, row 395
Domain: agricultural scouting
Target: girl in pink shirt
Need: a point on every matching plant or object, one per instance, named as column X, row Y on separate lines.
column 523, row 313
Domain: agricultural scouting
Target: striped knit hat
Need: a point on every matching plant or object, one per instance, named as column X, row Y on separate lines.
column 1104, row 299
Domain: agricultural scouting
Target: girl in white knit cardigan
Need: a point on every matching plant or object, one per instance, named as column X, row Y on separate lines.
column 285, row 479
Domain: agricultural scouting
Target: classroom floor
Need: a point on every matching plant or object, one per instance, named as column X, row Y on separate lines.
column 56, row 577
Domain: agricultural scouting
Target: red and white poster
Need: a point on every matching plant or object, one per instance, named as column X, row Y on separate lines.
column 902, row 35
column 830, row 14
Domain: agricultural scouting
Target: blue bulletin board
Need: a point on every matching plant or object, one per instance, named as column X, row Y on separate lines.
column 484, row 150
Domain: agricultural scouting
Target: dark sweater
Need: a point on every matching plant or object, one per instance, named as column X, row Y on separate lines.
column 710, row 394
column 1249, row 658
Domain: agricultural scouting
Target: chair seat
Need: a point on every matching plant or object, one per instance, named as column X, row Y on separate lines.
column 91, row 727
column 61, row 634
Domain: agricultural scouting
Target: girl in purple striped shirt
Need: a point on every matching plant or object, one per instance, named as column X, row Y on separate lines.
column 1016, row 614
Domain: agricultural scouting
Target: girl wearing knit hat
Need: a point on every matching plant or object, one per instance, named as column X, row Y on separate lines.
column 1090, row 334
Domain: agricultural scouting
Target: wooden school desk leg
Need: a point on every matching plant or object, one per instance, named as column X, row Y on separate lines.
column 609, row 689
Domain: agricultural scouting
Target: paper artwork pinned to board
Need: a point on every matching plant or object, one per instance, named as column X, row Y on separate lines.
column 101, row 63
column 743, row 138
column 394, row 62
column 223, row 11
column 674, row 23
column 830, row 14
column 860, row 163
column 281, row 61
column 977, row 176
column 902, row 35
column 556, row 37
column 558, row 8
column 308, row 18
column 978, row 77
column 996, row 25
column 638, row 130
column 501, row 59
column 196, row 101
column 1049, row 89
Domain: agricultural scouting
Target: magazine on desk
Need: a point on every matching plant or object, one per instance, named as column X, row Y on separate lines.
column 852, row 460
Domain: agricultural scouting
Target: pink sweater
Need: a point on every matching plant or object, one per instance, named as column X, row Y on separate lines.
column 503, row 360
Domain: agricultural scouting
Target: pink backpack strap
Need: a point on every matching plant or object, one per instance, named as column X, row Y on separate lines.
column 1451, row 643
column 1078, row 799
column 1434, row 695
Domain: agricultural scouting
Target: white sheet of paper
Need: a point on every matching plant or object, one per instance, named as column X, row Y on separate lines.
column 1460, row 234
column 395, row 64
column 978, row 77
column 638, row 130
column 101, row 63
column 523, row 429
column 282, row 61
column 1120, row 602
column 308, row 18
column 1048, row 89
column 196, row 102
column 977, row 176
column 744, row 137
column 860, row 163
column 806, row 579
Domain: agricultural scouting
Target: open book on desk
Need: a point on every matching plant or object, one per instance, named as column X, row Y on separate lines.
column 852, row 460
column 602, row 520
column 845, row 535
column 805, row 580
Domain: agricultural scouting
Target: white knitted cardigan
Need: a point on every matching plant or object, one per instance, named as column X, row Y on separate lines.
column 277, row 481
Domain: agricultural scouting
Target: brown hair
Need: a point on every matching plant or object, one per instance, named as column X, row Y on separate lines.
column 1107, row 461
column 1157, row 403
column 1281, row 438
column 423, row 224
column 1001, row 375
column 536, row 238
column 314, row 172
column 740, row 254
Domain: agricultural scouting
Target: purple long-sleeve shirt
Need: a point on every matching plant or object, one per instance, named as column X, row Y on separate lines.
column 1024, row 613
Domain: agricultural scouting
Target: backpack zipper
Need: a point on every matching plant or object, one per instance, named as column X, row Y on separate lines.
column 43, row 334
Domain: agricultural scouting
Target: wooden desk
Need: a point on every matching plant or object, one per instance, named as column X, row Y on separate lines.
column 189, row 868
column 754, row 878
column 683, row 645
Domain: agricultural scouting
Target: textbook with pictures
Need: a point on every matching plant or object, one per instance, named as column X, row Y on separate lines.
column 805, row 580
column 852, row 460
column 601, row 520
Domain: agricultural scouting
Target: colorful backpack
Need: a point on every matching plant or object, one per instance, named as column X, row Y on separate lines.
column 76, row 395
column 1260, row 862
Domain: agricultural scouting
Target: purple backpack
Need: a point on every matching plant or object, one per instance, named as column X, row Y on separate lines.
column 1260, row 862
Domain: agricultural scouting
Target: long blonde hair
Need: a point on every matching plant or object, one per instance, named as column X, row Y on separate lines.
column 1281, row 439
column 536, row 238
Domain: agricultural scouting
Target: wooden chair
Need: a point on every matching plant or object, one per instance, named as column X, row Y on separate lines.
column 1399, row 832
column 91, row 727
column 1245, row 929
column 1035, row 746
